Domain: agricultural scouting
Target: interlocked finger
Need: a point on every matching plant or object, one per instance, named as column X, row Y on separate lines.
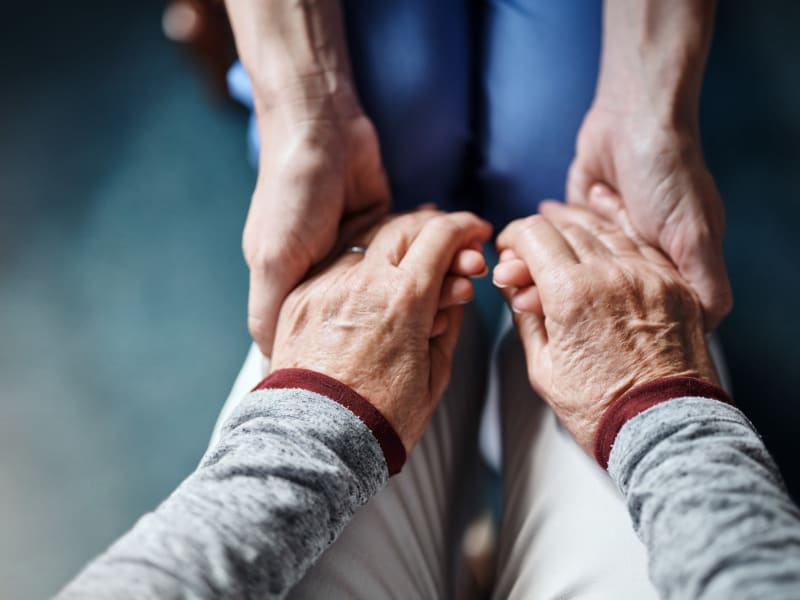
column 606, row 233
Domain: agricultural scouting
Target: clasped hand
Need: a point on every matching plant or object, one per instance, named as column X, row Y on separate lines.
column 598, row 310
column 386, row 322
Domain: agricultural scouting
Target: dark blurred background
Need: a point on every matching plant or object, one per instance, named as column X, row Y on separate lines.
column 123, row 189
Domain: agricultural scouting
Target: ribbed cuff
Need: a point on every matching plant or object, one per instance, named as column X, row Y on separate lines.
column 642, row 397
column 393, row 450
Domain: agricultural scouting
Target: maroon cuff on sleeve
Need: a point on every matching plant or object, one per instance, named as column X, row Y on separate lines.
column 393, row 450
column 642, row 397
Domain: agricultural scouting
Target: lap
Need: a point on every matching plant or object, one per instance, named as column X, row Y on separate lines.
column 537, row 76
column 399, row 544
column 565, row 529
column 412, row 65
column 566, row 532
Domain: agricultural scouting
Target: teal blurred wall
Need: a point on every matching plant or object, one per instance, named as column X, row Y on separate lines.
column 123, row 190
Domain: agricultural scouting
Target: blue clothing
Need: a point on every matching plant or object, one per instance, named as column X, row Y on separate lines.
column 477, row 104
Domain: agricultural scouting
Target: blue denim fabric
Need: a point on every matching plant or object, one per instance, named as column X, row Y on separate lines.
column 477, row 104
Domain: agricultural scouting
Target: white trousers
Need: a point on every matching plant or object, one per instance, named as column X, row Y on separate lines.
column 565, row 531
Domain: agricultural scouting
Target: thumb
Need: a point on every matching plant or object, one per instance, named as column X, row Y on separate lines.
column 533, row 334
column 692, row 238
column 268, row 289
column 703, row 267
column 578, row 182
column 442, row 349
column 534, row 340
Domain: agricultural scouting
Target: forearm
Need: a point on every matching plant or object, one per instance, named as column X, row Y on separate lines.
column 654, row 54
column 295, row 53
column 290, row 469
column 708, row 502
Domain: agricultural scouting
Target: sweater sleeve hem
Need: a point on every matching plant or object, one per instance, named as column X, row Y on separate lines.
column 643, row 397
column 391, row 445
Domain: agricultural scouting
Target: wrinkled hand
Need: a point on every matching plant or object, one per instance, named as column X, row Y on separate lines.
column 603, row 312
column 319, row 180
column 386, row 322
column 666, row 188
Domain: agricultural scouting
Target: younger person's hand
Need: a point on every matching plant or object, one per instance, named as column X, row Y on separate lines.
column 320, row 179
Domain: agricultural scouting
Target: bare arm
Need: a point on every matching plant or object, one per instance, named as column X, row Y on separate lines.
column 654, row 54
column 641, row 139
column 320, row 172
column 295, row 52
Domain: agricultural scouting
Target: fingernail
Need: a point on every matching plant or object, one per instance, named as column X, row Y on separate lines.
column 507, row 254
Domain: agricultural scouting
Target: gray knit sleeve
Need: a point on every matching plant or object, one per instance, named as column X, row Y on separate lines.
column 708, row 502
column 289, row 471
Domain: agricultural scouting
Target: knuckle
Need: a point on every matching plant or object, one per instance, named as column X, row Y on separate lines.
column 617, row 278
column 406, row 296
column 444, row 225
column 724, row 304
column 573, row 229
column 717, row 298
column 532, row 223
column 574, row 294
column 259, row 330
column 259, row 255
column 409, row 290
column 527, row 228
column 305, row 166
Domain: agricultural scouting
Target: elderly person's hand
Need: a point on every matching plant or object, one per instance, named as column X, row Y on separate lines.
column 386, row 322
column 599, row 311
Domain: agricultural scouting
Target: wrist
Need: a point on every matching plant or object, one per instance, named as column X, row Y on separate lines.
column 295, row 54
column 654, row 57
column 670, row 100
column 307, row 96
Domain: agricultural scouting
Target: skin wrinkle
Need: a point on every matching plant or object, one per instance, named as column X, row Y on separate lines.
column 391, row 309
column 641, row 140
column 329, row 166
column 613, row 305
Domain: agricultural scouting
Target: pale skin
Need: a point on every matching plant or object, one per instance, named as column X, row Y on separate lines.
column 599, row 311
column 639, row 144
column 325, row 178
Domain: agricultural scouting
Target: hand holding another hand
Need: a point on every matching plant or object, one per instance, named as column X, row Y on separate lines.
column 668, row 192
column 386, row 322
column 602, row 312
column 320, row 179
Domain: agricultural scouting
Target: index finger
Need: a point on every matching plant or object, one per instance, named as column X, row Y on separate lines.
column 431, row 253
column 536, row 241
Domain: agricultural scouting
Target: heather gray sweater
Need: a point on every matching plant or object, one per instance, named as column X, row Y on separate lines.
column 708, row 502
column 292, row 466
